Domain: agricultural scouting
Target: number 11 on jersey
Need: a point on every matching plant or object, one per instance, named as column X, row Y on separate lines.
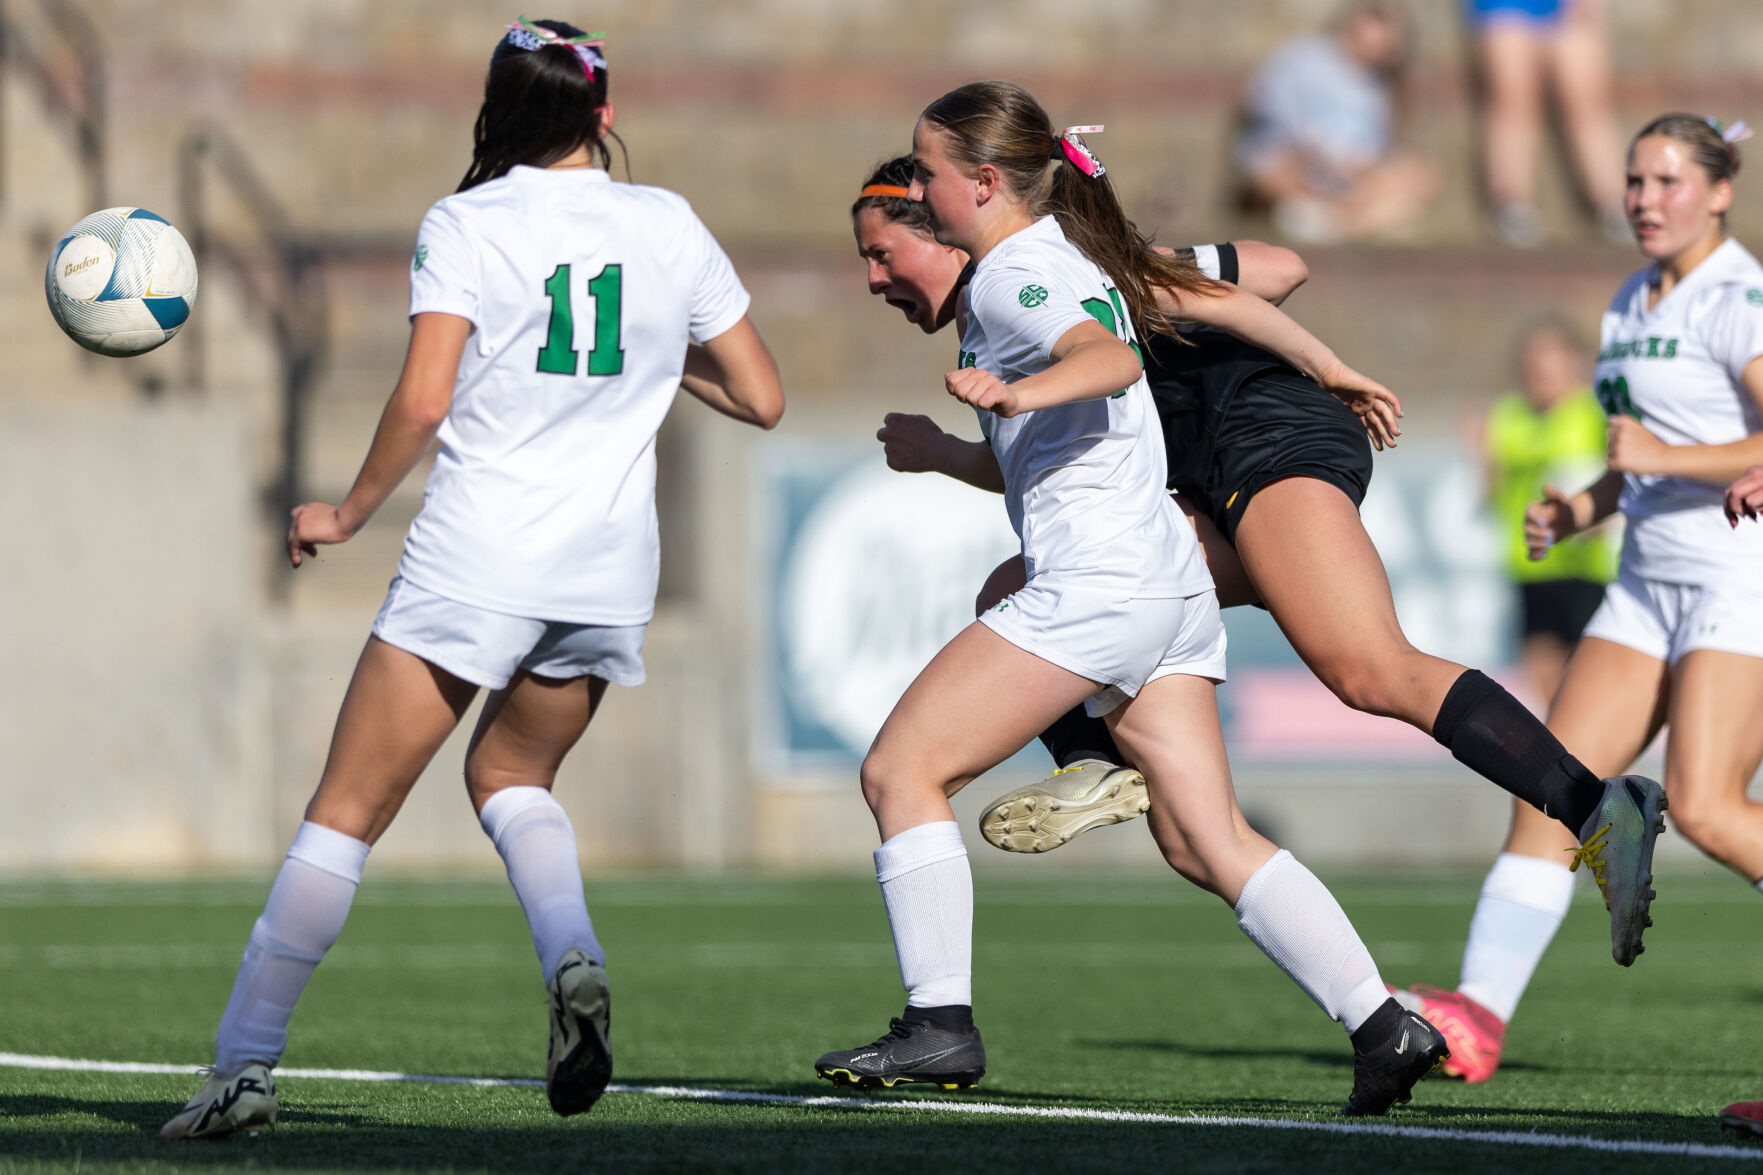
column 558, row 356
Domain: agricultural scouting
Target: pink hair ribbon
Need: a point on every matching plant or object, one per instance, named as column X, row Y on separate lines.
column 524, row 34
column 1077, row 153
column 1738, row 132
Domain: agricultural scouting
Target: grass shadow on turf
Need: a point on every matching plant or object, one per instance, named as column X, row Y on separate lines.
column 312, row 1140
column 146, row 1116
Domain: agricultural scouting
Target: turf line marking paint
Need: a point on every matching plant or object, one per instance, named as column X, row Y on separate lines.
column 1580, row 1142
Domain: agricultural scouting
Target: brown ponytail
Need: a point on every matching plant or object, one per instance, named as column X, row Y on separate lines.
column 1000, row 123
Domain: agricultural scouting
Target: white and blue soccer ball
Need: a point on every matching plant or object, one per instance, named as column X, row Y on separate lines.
column 121, row 281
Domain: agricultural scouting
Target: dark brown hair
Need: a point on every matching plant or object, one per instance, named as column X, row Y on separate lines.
column 539, row 105
column 1000, row 123
column 895, row 173
column 1716, row 157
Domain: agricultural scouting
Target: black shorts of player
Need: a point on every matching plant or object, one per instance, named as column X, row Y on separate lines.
column 1277, row 425
column 1559, row 607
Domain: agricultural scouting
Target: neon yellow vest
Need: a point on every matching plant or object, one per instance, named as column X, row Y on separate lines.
column 1563, row 447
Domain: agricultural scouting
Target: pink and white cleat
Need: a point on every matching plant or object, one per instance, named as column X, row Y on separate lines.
column 1744, row 1118
column 1474, row 1034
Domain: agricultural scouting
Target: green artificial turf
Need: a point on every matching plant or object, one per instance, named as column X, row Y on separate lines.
column 1131, row 993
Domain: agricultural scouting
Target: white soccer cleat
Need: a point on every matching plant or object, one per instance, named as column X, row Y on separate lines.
column 579, row 1063
column 1073, row 799
column 243, row 1102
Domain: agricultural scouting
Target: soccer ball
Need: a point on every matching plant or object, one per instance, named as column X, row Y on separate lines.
column 121, row 281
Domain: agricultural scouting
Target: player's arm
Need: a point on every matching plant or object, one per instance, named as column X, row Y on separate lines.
column 1089, row 363
column 735, row 374
column 1253, row 320
column 1633, row 449
column 914, row 444
column 1560, row 515
column 1267, row 271
column 413, row 414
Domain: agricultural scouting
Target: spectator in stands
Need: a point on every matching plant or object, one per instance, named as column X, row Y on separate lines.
column 1551, row 432
column 1523, row 47
column 1318, row 144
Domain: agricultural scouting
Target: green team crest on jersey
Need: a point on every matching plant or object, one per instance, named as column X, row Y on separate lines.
column 422, row 254
column 1754, row 297
column 1032, row 296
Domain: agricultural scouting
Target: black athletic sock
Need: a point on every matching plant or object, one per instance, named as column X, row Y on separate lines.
column 948, row 1017
column 1487, row 730
column 1075, row 735
column 1378, row 1027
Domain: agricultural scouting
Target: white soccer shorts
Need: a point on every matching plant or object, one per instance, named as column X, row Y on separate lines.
column 1121, row 643
column 1667, row 620
column 487, row 648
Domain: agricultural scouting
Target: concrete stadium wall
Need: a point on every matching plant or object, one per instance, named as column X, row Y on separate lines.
column 167, row 692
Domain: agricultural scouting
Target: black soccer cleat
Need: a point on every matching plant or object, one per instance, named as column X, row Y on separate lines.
column 914, row 1051
column 1616, row 842
column 1389, row 1066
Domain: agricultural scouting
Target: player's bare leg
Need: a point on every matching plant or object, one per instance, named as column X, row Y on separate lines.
column 1610, row 705
column 1093, row 783
column 978, row 700
column 524, row 732
column 398, row 711
column 1172, row 730
column 1714, row 748
column 1303, row 543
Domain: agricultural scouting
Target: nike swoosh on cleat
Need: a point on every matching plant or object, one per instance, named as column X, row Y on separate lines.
column 925, row 1060
column 1403, row 1047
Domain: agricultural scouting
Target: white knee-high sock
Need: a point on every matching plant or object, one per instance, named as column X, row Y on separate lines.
column 1296, row 922
column 927, row 887
column 1522, row 904
column 532, row 832
column 302, row 918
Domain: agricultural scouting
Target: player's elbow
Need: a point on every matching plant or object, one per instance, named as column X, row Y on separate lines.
column 1288, row 271
column 427, row 411
column 774, row 412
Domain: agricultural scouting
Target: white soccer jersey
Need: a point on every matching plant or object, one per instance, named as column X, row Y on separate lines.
column 1677, row 369
column 583, row 292
column 1084, row 482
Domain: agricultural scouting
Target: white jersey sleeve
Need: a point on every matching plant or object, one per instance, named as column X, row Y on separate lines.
column 445, row 275
column 1734, row 332
column 718, row 298
column 1025, row 314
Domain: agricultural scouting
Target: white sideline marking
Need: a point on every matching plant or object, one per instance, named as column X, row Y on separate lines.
column 1625, row 1146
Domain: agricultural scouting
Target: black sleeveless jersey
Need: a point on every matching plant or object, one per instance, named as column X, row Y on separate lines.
column 1194, row 384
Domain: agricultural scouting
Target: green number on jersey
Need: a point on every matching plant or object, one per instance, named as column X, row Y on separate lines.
column 558, row 356
column 607, row 357
column 1111, row 316
column 1613, row 395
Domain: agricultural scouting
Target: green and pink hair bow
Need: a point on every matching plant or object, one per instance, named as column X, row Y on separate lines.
column 524, row 34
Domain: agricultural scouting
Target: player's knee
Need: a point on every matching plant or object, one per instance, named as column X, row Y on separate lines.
column 880, row 777
column 1702, row 822
column 1360, row 685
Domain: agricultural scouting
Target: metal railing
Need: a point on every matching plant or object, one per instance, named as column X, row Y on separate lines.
column 281, row 274
column 76, row 102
